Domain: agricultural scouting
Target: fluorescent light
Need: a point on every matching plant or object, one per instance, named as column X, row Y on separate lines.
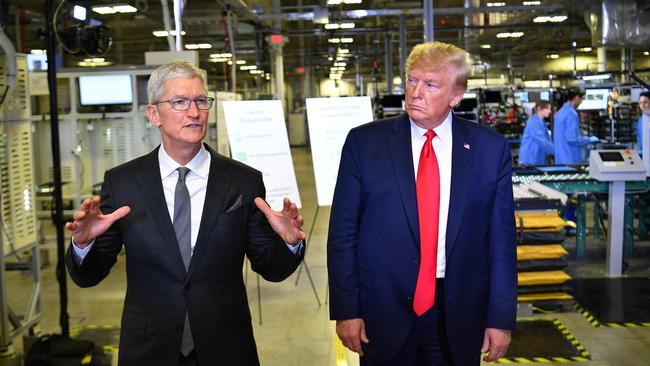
column 332, row 26
column 104, row 10
column 585, row 49
column 330, row 58
column 347, row 40
column 37, row 51
column 196, row 46
column 336, row 76
column 334, row 40
column 552, row 19
column 597, row 77
column 95, row 61
column 529, row 3
column 469, row 95
column 510, row 35
column 79, row 12
column 558, row 18
column 241, row 62
column 646, row 53
column 163, row 33
column 221, row 55
column 343, row 50
column 486, row 46
column 218, row 59
column 120, row 8
column 339, row 26
column 339, row 2
column 358, row 13
column 340, row 64
column 248, row 67
column 496, row 4
column 347, row 25
column 553, row 56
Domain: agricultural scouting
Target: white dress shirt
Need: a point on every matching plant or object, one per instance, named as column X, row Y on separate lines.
column 442, row 144
column 196, row 182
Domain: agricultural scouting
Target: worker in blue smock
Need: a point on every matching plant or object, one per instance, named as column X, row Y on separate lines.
column 536, row 143
column 567, row 139
column 644, row 105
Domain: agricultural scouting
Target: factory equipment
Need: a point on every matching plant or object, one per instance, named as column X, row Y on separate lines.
column 616, row 167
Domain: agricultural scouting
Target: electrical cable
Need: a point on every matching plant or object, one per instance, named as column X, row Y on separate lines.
column 56, row 33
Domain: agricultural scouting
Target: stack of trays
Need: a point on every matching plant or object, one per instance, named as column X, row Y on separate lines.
column 540, row 262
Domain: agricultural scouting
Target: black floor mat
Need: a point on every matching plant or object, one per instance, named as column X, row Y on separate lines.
column 613, row 300
column 543, row 340
column 104, row 336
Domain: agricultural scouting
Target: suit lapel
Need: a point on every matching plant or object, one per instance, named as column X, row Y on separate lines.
column 215, row 197
column 150, row 184
column 462, row 157
column 399, row 147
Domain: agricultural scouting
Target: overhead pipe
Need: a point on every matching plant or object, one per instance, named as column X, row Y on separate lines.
column 167, row 24
column 178, row 22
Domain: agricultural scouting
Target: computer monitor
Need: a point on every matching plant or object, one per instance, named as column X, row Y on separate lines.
column 522, row 96
column 545, row 95
column 594, row 100
column 105, row 90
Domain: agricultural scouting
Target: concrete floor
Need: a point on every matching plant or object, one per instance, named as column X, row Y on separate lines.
column 295, row 329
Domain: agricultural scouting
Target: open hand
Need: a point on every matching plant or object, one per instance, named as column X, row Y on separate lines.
column 286, row 223
column 89, row 222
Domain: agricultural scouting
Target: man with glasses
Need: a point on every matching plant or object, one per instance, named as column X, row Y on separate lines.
column 186, row 217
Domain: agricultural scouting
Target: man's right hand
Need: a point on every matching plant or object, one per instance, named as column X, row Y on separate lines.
column 89, row 222
column 352, row 332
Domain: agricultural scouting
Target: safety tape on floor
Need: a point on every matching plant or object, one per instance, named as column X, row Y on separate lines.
column 592, row 320
column 584, row 355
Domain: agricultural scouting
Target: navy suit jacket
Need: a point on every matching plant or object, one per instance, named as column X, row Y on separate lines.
column 373, row 243
column 159, row 289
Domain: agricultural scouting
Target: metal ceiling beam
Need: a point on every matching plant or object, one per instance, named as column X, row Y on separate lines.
column 296, row 16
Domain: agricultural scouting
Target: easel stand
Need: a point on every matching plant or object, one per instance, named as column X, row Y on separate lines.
column 304, row 261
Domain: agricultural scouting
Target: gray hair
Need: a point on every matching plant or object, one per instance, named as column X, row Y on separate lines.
column 172, row 70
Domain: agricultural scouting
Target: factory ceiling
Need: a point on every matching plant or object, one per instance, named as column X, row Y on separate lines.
column 478, row 26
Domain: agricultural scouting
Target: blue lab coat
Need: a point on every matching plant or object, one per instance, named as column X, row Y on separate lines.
column 566, row 136
column 639, row 135
column 536, row 143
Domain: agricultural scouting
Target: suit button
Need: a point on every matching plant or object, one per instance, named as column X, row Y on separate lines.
column 188, row 285
column 179, row 328
column 409, row 297
column 417, row 261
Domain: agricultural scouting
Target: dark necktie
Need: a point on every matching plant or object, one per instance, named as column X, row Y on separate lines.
column 183, row 227
column 428, row 196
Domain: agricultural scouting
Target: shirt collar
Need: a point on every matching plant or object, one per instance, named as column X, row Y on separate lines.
column 443, row 131
column 198, row 165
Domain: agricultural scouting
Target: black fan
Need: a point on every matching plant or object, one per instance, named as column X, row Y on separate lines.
column 95, row 40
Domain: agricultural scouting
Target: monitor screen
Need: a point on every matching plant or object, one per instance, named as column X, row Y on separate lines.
column 105, row 89
column 595, row 99
column 522, row 95
column 611, row 156
column 545, row 95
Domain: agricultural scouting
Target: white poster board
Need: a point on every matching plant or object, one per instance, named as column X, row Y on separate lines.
column 258, row 138
column 329, row 121
column 223, row 146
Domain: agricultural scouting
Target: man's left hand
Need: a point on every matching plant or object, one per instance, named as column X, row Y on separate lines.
column 286, row 223
column 495, row 343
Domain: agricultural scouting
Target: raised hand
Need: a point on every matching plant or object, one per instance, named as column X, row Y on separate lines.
column 286, row 223
column 89, row 222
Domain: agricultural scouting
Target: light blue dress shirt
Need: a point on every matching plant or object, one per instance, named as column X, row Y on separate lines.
column 536, row 143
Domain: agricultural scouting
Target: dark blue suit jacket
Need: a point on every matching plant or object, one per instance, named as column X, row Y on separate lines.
column 373, row 243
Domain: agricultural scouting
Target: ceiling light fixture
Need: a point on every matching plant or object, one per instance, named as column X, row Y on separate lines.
column 510, row 35
column 496, row 4
column 221, row 55
column 347, row 40
column 163, row 33
column 486, row 46
column 530, row 3
column 334, row 40
column 597, row 77
column 112, row 9
column 553, row 56
column 585, row 49
column 339, row 2
column 552, row 19
column 197, row 46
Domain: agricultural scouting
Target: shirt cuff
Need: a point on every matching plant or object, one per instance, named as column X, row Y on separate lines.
column 78, row 253
column 296, row 249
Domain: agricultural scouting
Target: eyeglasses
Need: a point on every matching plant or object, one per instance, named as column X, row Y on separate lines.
column 183, row 104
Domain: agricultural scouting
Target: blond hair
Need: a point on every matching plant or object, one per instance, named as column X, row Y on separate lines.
column 172, row 70
column 434, row 56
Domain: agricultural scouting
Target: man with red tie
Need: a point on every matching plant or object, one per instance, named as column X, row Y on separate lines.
column 421, row 246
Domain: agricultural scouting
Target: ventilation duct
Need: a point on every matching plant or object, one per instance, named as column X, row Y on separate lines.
column 621, row 23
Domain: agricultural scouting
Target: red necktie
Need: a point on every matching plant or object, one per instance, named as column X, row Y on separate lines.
column 428, row 192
